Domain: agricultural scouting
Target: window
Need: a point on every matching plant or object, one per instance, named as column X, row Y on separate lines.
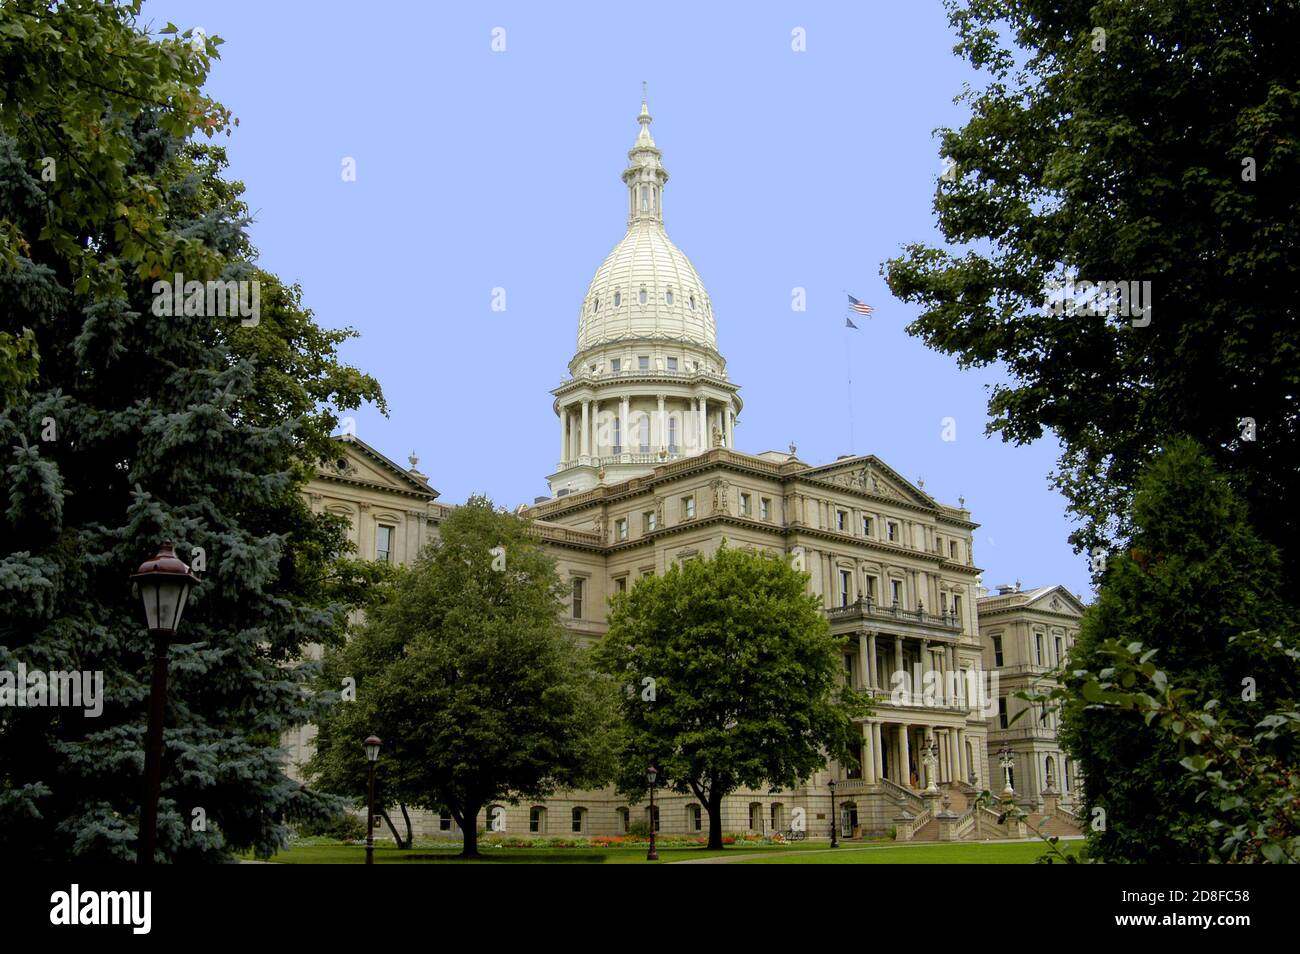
column 695, row 816
column 1058, row 650
column 896, row 592
column 744, row 505
column 383, row 543
column 537, row 819
column 642, row 296
column 672, row 432
column 846, row 583
column 577, row 816
column 1042, row 715
column 643, row 362
column 956, row 606
column 1065, row 769
column 616, row 365
column 618, row 434
column 997, row 650
column 668, row 296
column 866, row 526
column 688, row 507
column 645, row 198
column 870, row 584
column 644, row 436
column 595, row 306
column 444, row 821
column 649, row 521
column 756, row 816
column 765, row 508
column 1038, row 648
column 579, row 588
column 692, row 303
column 672, row 364
column 620, row 584
column 620, row 528
column 952, row 549
column 891, row 530
column 624, row 819
column 1002, row 712
column 618, row 298
column 778, row 816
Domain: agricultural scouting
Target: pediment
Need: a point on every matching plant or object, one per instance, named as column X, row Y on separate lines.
column 357, row 462
column 871, row 475
column 1056, row 599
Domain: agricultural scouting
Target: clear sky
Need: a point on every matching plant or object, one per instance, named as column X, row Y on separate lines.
column 478, row 169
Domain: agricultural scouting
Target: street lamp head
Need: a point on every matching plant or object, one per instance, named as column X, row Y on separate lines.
column 372, row 745
column 163, row 584
column 832, row 784
column 651, row 774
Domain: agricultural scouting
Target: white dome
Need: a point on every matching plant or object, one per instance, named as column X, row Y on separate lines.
column 646, row 288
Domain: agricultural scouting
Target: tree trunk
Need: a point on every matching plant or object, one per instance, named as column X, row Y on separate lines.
column 714, row 806
column 410, row 838
column 383, row 813
column 468, row 822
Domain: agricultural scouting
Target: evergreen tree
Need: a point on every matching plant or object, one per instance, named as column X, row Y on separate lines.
column 135, row 427
column 732, row 680
column 1199, row 595
column 465, row 671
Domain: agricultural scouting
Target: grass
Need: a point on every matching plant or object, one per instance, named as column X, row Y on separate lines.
column 340, row 854
column 962, row 853
column 883, row 853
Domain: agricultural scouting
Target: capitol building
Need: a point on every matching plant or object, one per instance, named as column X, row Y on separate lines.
column 648, row 474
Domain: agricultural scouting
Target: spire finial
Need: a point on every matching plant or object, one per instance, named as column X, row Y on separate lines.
column 644, row 96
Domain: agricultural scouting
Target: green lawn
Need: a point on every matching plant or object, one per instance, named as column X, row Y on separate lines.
column 966, row 853
column 388, row 855
column 884, row 853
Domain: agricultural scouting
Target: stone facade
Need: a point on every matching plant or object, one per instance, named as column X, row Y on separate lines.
column 649, row 475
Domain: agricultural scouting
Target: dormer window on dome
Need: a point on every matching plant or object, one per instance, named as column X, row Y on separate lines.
column 618, row 298
column 643, row 296
column 692, row 303
column 668, row 296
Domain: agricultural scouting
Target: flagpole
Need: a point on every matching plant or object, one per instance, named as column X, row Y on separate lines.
column 848, row 373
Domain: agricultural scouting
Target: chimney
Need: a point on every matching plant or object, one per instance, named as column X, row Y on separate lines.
column 1005, row 589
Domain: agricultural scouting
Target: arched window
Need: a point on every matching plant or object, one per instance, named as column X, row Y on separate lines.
column 645, row 433
column 643, row 295
column 618, row 298
column 645, row 198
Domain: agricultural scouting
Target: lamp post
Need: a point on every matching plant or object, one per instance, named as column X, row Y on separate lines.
column 372, row 745
column 163, row 584
column 1007, row 761
column 835, row 824
column 651, row 774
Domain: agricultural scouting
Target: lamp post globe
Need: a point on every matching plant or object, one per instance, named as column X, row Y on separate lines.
column 162, row 583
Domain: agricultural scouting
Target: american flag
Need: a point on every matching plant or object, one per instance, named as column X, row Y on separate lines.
column 859, row 307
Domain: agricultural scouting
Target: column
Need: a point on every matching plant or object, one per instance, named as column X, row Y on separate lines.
column 864, row 662
column 963, row 769
column 868, row 753
column 878, row 757
column 586, row 429
column 927, row 664
column 623, row 409
column 564, row 433
column 871, row 661
column 662, row 439
column 904, row 756
column 898, row 658
column 701, row 425
column 731, row 424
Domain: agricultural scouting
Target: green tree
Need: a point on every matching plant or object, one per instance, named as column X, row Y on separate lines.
column 1127, row 140
column 732, row 680
column 133, row 428
column 466, row 673
column 1199, row 594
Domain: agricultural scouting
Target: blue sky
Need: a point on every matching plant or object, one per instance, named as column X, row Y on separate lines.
column 478, row 169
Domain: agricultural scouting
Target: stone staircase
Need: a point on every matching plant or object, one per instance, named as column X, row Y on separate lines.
column 979, row 823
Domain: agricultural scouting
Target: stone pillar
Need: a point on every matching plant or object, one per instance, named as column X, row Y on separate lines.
column 904, row 754
column 864, row 662
column 731, row 424
column 871, row 662
column 927, row 664
column 586, row 429
column 702, row 425
column 868, row 753
column 876, row 748
column 963, row 768
column 564, row 433
column 661, row 440
column 624, row 409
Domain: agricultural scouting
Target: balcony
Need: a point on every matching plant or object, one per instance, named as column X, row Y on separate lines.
column 896, row 619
